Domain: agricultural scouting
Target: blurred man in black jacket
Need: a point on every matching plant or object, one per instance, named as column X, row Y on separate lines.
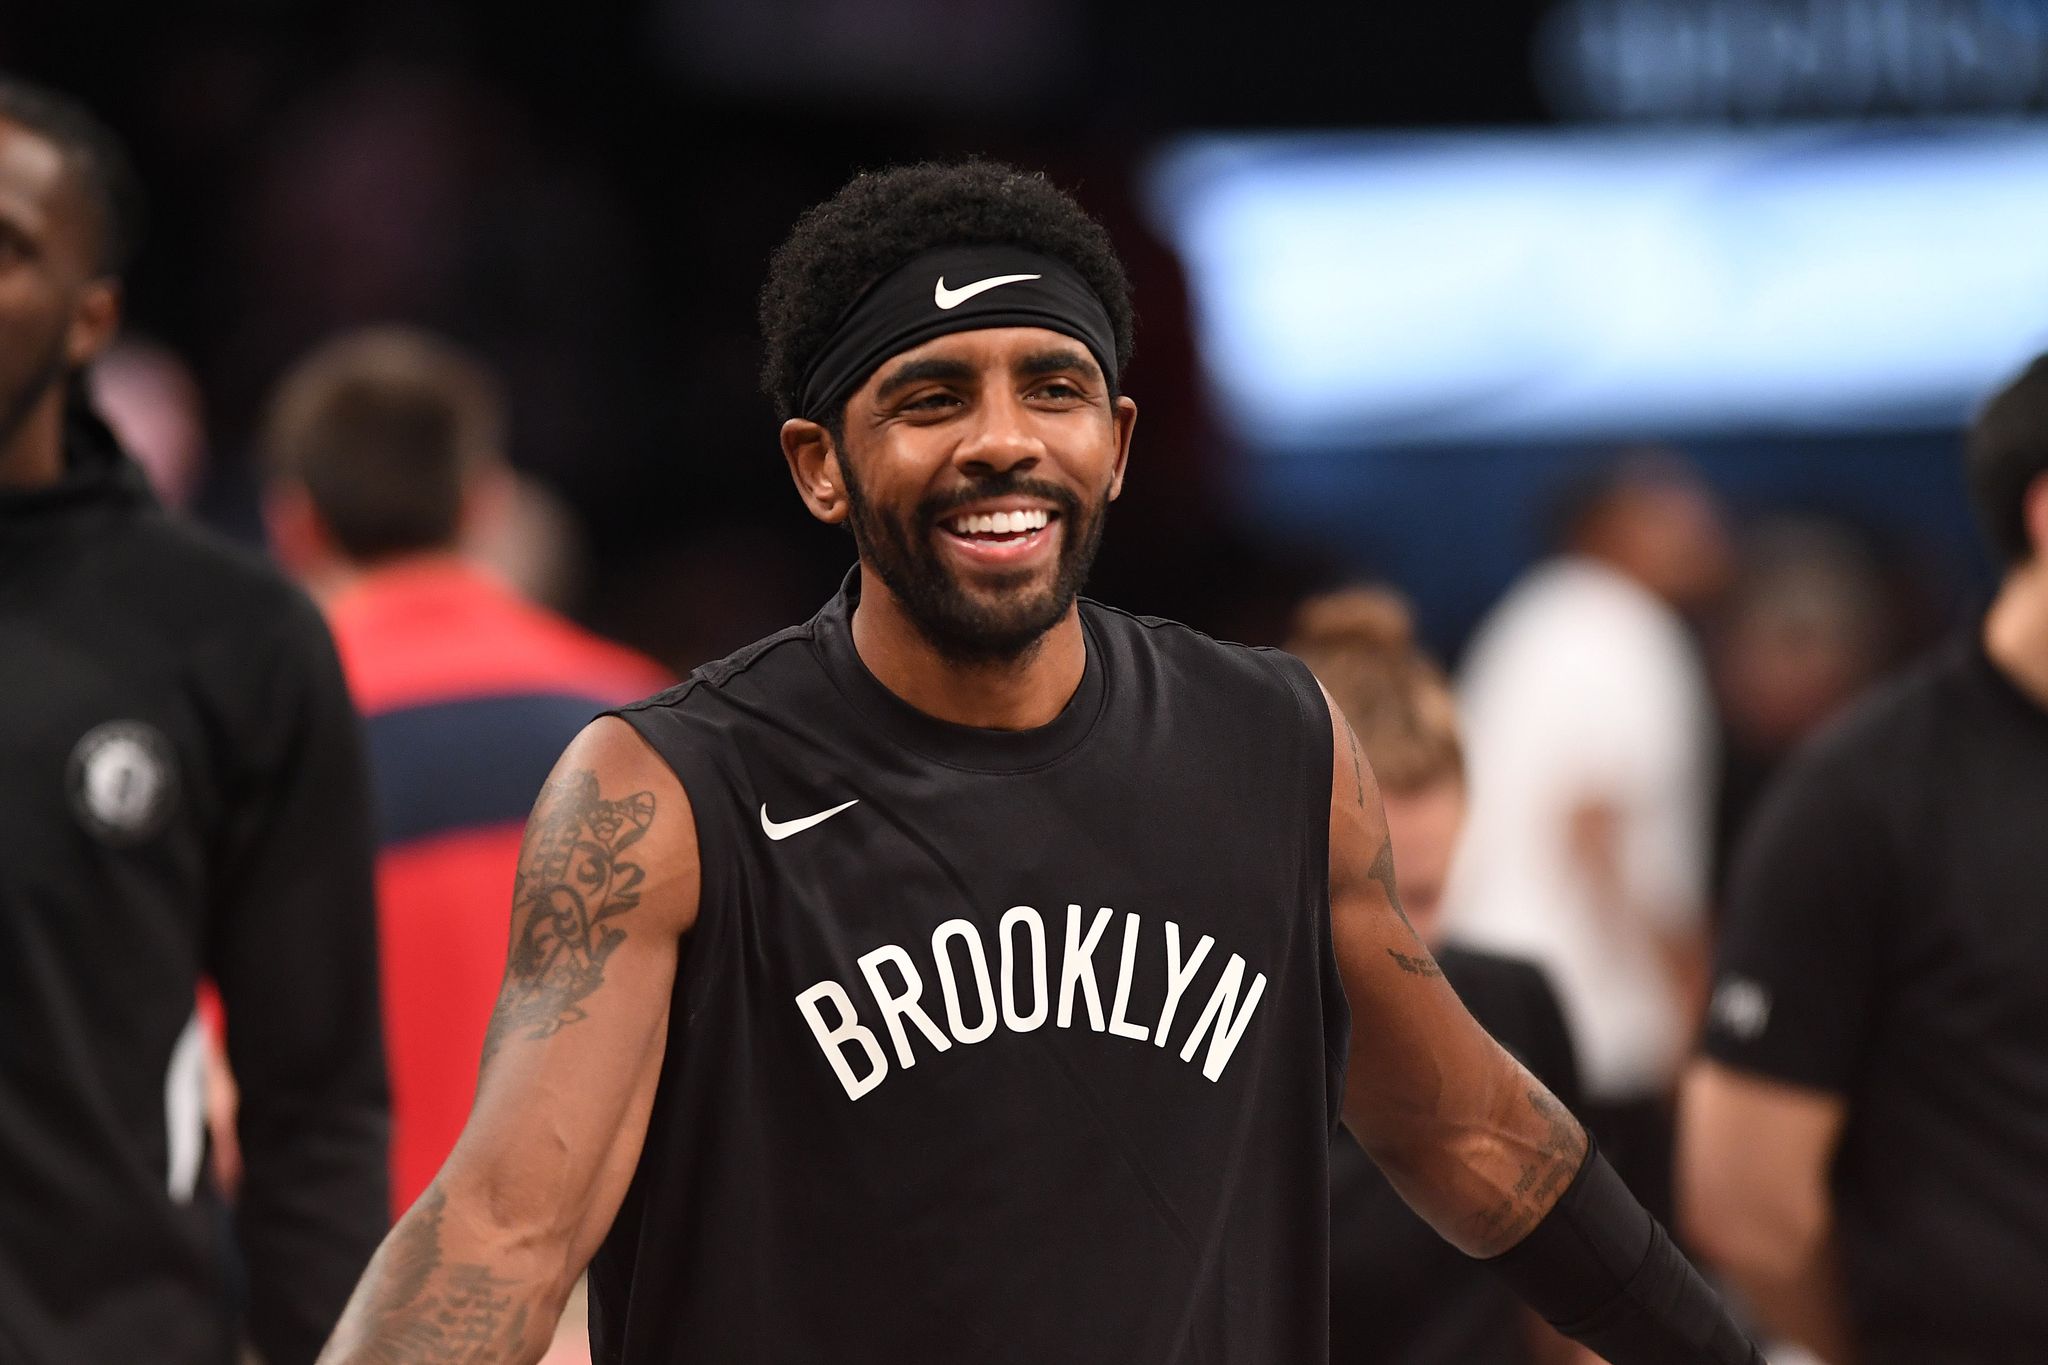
column 183, row 797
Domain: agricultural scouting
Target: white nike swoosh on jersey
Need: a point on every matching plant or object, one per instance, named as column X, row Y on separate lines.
column 782, row 829
column 953, row 298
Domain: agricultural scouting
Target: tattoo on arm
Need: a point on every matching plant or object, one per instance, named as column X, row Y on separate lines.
column 1382, row 871
column 427, row 1313
column 1549, row 1167
column 1415, row 966
column 1357, row 765
column 572, row 886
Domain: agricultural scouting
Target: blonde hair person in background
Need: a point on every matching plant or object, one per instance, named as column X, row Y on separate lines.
column 1400, row 1295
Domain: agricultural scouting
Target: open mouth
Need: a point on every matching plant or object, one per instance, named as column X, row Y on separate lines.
column 1000, row 537
column 998, row 527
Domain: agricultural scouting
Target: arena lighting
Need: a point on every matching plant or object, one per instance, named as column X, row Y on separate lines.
column 1587, row 284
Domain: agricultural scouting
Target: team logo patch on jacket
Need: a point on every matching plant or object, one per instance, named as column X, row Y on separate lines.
column 123, row 781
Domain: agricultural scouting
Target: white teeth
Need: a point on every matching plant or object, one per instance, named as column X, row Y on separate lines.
column 1002, row 523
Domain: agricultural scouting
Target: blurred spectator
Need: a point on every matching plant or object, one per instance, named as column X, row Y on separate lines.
column 1807, row 625
column 152, row 402
column 1589, row 731
column 184, row 797
column 1400, row 1294
column 532, row 543
column 384, row 449
column 1866, row 1141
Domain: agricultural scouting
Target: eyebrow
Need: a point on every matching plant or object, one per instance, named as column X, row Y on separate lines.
column 918, row 371
column 1058, row 360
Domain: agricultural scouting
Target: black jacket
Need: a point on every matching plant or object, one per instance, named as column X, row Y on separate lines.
column 182, row 796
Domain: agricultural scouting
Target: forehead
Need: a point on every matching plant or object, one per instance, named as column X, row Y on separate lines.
column 987, row 347
column 33, row 177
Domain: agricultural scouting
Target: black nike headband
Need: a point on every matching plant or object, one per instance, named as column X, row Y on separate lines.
column 953, row 289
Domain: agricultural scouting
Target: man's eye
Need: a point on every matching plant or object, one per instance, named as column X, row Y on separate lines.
column 1059, row 388
column 930, row 402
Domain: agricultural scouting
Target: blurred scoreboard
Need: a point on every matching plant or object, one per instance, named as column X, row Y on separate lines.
column 1609, row 283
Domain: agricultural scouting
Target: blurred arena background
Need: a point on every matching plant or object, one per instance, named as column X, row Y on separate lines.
column 1394, row 263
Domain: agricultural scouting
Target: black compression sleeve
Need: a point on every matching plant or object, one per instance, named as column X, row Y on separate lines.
column 1602, row 1271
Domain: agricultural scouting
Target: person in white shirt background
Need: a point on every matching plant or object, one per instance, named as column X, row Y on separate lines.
column 1589, row 733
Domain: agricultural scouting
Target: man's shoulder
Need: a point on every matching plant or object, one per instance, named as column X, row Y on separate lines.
column 191, row 580
column 1892, row 728
column 765, row 664
column 1581, row 617
column 1194, row 656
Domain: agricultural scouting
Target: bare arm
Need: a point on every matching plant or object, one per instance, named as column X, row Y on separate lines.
column 1753, row 1161
column 478, row 1269
column 1472, row 1141
column 1594, row 837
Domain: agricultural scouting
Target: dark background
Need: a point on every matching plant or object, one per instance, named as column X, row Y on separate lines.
column 587, row 195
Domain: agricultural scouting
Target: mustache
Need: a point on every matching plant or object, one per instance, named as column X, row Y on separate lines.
column 939, row 506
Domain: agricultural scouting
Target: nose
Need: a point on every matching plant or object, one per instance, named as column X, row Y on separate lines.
column 999, row 439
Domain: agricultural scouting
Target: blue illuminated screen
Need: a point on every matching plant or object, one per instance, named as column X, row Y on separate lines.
column 1411, row 289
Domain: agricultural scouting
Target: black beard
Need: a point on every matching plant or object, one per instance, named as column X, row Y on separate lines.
column 963, row 630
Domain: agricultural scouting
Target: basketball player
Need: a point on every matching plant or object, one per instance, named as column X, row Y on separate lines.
column 968, row 974
column 181, row 794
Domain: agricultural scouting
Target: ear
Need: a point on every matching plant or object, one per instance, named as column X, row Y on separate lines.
column 489, row 489
column 814, row 465
column 94, row 323
column 299, row 541
column 1125, row 416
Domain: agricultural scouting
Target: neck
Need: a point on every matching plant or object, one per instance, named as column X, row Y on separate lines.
column 32, row 454
column 330, row 576
column 2016, row 628
column 1018, row 694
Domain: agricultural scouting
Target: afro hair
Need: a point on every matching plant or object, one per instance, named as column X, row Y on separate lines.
column 881, row 219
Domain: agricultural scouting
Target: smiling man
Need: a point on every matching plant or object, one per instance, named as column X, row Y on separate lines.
column 968, row 974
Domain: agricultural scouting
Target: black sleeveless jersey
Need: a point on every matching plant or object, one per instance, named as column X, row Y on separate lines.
column 999, row 1047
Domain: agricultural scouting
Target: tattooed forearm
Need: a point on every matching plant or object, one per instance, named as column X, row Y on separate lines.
column 1415, row 966
column 415, row 1310
column 572, row 886
column 1553, row 1158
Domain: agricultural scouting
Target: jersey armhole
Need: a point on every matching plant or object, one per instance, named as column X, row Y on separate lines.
column 721, row 861
column 1316, row 762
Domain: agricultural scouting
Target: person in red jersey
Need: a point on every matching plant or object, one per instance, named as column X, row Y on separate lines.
column 384, row 446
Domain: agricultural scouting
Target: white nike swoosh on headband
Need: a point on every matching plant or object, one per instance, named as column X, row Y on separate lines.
column 953, row 298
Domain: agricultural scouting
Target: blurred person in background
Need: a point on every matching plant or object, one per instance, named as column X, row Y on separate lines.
column 1865, row 1140
column 184, row 798
column 1589, row 735
column 1806, row 626
column 1400, row 1294
column 533, row 543
column 152, row 404
column 383, row 450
